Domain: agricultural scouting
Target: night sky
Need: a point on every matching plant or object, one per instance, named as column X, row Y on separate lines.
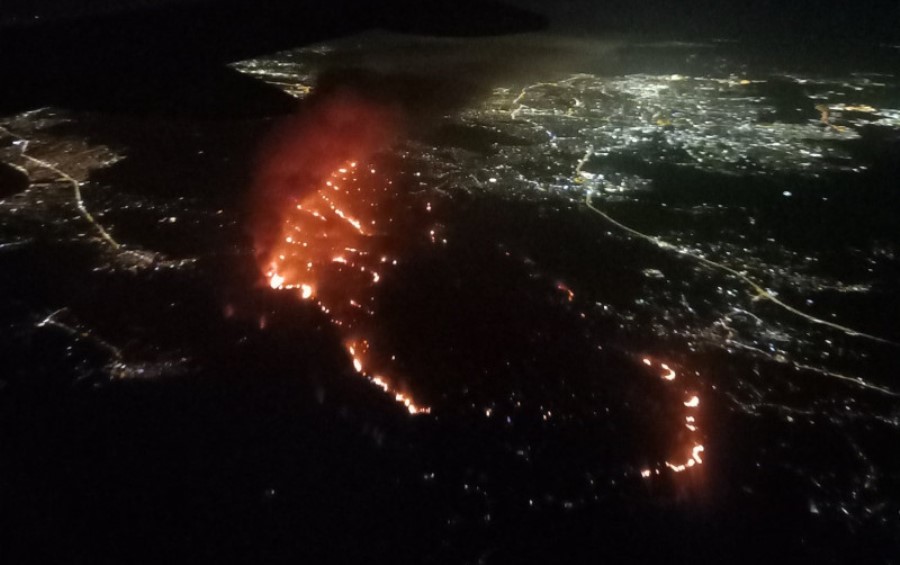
column 818, row 20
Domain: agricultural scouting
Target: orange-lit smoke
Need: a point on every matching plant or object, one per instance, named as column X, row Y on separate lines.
column 305, row 149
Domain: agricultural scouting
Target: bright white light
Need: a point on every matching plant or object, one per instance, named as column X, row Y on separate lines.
column 698, row 449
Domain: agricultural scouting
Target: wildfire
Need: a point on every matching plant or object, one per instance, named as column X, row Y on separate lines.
column 692, row 402
column 318, row 225
column 316, row 220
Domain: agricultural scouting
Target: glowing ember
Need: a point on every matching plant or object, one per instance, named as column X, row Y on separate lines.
column 569, row 294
